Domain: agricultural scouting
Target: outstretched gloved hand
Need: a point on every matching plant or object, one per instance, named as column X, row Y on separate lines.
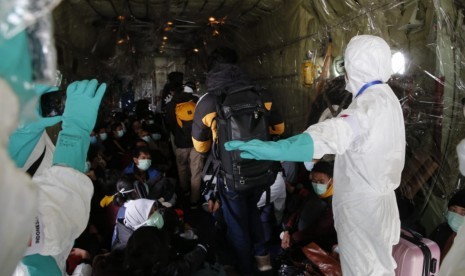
column 23, row 141
column 81, row 109
column 298, row 148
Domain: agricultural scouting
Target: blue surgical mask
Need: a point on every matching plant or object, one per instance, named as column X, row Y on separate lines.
column 93, row 140
column 156, row 136
column 320, row 188
column 103, row 136
column 120, row 133
column 146, row 138
column 144, row 164
column 454, row 220
column 156, row 219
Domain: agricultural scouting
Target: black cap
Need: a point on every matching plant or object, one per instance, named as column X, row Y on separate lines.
column 458, row 199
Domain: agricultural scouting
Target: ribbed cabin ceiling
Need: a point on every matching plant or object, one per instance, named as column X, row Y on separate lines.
column 91, row 24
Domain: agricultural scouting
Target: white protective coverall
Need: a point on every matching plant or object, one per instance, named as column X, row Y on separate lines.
column 62, row 193
column 368, row 139
column 18, row 195
column 63, row 206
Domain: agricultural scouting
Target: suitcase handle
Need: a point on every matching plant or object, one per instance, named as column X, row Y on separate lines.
column 416, row 239
column 414, row 234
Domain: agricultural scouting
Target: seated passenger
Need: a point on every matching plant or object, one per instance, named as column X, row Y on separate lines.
column 116, row 148
column 138, row 213
column 311, row 218
column 149, row 252
column 446, row 232
column 141, row 166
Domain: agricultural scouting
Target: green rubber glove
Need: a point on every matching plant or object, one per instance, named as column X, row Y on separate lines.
column 23, row 141
column 81, row 109
column 298, row 148
column 16, row 70
column 41, row 265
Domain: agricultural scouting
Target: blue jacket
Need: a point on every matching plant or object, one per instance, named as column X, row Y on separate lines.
column 151, row 172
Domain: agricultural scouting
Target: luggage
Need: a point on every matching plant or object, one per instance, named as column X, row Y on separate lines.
column 415, row 255
column 241, row 115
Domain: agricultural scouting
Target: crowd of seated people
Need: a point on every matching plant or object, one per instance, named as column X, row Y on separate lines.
column 137, row 202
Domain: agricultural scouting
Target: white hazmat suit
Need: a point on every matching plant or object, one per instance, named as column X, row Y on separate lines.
column 63, row 208
column 18, row 194
column 368, row 139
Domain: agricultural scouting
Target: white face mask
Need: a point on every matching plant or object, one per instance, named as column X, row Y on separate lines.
column 454, row 220
column 146, row 138
column 309, row 165
column 103, row 136
column 144, row 164
column 120, row 133
column 320, row 188
column 156, row 136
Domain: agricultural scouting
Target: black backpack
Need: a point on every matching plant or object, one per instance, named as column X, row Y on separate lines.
column 241, row 115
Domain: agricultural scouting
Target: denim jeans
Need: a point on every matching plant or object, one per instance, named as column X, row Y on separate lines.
column 244, row 227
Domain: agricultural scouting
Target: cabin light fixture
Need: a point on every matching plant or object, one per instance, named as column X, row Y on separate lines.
column 121, row 17
column 216, row 33
column 165, row 38
column 398, row 63
column 212, row 19
column 196, row 50
column 121, row 41
column 169, row 23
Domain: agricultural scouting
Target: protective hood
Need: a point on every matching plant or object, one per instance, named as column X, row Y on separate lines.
column 367, row 58
column 224, row 77
column 137, row 212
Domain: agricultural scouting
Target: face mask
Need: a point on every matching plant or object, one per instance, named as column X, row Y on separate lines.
column 93, row 140
column 151, row 122
column 320, row 188
column 103, row 136
column 87, row 167
column 120, row 133
column 156, row 220
column 454, row 220
column 309, row 166
column 144, row 164
column 146, row 138
column 156, row 136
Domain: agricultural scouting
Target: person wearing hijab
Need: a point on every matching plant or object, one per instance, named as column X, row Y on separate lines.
column 139, row 212
column 368, row 139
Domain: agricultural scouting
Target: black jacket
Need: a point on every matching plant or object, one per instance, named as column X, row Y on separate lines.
column 182, row 136
column 222, row 79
